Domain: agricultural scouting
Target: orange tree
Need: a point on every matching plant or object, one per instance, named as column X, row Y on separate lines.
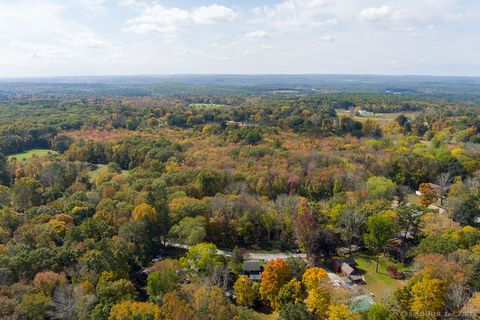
column 429, row 194
column 276, row 275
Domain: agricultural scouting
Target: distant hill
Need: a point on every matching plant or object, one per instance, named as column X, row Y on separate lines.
column 449, row 88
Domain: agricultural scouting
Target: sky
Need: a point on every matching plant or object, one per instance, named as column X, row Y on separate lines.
column 134, row 37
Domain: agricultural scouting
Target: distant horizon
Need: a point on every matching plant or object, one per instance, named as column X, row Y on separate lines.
column 55, row 38
column 160, row 75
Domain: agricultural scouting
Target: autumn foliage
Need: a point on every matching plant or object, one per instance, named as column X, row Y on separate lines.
column 275, row 275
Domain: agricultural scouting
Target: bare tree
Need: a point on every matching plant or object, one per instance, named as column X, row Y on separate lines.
column 403, row 192
column 69, row 303
column 443, row 181
column 457, row 296
column 353, row 223
column 64, row 303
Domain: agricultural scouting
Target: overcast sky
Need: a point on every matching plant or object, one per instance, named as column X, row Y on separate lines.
column 120, row 37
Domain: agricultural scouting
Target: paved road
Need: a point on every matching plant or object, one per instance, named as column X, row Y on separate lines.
column 249, row 255
column 271, row 256
column 186, row 247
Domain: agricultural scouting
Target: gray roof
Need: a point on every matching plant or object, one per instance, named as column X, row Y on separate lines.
column 251, row 266
column 255, row 277
column 346, row 269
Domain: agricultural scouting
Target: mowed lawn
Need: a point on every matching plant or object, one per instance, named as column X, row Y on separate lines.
column 30, row 153
column 380, row 284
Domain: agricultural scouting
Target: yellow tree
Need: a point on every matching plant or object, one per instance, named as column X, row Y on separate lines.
column 428, row 297
column 318, row 301
column 245, row 291
column 144, row 211
column 473, row 305
column 341, row 312
column 319, row 297
column 313, row 277
column 132, row 310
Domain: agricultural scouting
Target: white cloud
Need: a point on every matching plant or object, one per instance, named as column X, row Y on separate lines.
column 212, row 14
column 257, row 35
column 158, row 19
column 69, row 36
column 289, row 14
column 169, row 21
column 137, row 4
column 95, row 6
column 375, row 14
column 327, row 38
column 324, row 23
column 87, row 40
column 24, row 18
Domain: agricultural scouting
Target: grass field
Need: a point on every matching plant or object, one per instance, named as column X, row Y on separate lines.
column 30, row 153
column 382, row 118
column 101, row 168
column 380, row 284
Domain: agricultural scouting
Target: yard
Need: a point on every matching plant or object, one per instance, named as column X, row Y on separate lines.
column 30, row 153
column 380, row 284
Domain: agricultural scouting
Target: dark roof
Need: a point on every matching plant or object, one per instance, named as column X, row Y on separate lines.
column 250, row 266
column 356, row 277
column 350, row 261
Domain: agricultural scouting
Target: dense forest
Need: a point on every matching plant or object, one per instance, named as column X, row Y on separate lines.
column 150, row 207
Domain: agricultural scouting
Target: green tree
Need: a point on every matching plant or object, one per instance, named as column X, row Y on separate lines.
column 201, row 258
column 297, row 267
column 111, row 290
column 189, row 230
column 27, row 192
column 291, row 292
column 158, row 199
column 164, row 280
column 378, row 312
column 4, row 176
column 380, row 229
column 409, row 217
column 5, row 197
column 34, row 306
column 210, row 182
column 380, row 188
column 235, row 264
column 292, row 311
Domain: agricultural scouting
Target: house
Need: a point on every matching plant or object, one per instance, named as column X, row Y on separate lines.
column 347, row 267
column 253, row 270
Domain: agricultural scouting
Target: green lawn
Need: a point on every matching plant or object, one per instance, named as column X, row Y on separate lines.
column 101, row 168
column 30, row 153
column 382, row 118
column 381, row 284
